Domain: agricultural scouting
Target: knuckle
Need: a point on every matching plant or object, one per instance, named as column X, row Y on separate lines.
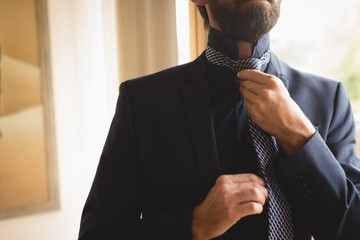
column 254, row 207
column 223, row 188
column 273, row 82
column 221, row 180
column 271, row 79
column 258, row 195
column 254, row 192
column 278, row 83
column 223, row 184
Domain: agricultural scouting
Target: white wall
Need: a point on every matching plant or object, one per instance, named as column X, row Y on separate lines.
column 82, row 39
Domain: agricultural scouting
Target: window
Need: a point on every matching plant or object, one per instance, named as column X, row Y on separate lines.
column 183, row 32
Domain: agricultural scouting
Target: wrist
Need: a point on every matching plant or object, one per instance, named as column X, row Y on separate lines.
column 196, row 226
column 294, row 139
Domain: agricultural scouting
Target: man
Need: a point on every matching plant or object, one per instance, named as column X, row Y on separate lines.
column 183, row 159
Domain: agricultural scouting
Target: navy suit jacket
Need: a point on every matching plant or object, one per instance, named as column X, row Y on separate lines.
column 160, row 159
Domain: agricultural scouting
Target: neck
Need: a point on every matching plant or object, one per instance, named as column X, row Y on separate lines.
column 245, row 49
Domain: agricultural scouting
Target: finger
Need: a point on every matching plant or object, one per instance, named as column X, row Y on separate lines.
column 242, row 188
column 247, row 209
column 254, row 76
column 253, row 87
column 248, row 96
column 246, row 177
column 250, row 192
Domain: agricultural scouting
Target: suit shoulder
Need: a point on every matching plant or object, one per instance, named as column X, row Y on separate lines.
column 298, row 78
column 164, row 77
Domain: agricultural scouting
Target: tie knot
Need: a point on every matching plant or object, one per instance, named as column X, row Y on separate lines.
column 250, row 63
column 222, row 60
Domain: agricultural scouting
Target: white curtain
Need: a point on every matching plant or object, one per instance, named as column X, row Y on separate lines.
column 147, row 36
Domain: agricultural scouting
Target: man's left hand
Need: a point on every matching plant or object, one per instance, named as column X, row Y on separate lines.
column 273, row 110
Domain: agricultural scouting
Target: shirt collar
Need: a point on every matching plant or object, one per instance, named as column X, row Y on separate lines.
column 226, row 45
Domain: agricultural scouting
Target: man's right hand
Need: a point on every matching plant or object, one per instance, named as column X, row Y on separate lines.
column 230, row 199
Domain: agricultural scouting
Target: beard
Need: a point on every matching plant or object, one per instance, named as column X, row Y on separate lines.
column 245, row 21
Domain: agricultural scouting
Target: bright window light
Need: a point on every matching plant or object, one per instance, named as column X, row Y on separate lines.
column 183, row 31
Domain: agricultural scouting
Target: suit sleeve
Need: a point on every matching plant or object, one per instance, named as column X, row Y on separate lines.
column 113, row 208
column 324, row 177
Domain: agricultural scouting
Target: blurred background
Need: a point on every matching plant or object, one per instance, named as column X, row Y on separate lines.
column 96, row 44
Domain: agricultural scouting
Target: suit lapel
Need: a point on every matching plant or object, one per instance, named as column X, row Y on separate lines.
column 197, row 105
column 274, row 68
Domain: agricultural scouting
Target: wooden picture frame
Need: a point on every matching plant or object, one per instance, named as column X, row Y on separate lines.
column 28, row 173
